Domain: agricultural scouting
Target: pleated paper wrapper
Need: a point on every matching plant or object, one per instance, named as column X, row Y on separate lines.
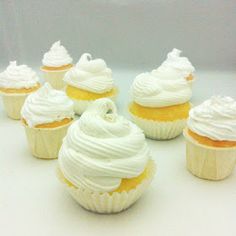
column 13, row 103
column 55, row 78
column 45, row 143
column 160, row 130
column 212, row 163
column 81, row 105
column 108, row 203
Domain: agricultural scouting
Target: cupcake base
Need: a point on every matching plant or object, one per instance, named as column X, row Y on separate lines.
column 108, row 203
column 81, row 105
column 13, row 103
column 45, row 143
column 55, row 78
column 160, row 130
column 206, row 162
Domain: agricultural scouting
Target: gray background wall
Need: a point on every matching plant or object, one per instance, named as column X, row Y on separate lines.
column 127, row 33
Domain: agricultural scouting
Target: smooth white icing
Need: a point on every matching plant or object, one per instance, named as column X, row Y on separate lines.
column 90, row 74
column 152, row 91
column 215, row 119
column 102, row 148
column 174, row 66
column 57, row 56
column 46, row 105
column 18, row 76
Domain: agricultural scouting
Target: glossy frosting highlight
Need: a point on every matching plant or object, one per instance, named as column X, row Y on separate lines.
column 57, row 56
column 18, row 77
column 46, row 105
column 215, row 119
column 102, row 148
column 91, row 75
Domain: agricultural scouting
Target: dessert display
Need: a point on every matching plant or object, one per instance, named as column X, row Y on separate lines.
column 160, row 105
column 104, row 161
column 56, row 62
column 16, row 83
column 46, row 116
column 211, row 138
column 88, row 80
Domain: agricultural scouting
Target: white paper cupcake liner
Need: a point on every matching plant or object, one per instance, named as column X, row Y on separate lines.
column 81, row 105
column 212, row 163
column 13, row 103
column 160, row 130
column 45, row 143
column 105, row 202
column 55, row 78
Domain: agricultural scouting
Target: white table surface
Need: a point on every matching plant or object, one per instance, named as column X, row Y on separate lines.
column 33, row 202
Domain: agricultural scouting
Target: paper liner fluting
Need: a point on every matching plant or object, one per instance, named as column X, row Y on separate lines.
column 108, row 202
column 13, row 104
column 55, row 78
column 207, row 162
column 81, row 105
column 45, row 143
column 159, row 129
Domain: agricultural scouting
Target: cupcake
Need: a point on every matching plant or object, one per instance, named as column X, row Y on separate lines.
column 104, row 161
column 46, row 115
column 56, row 62
column 160, row 105
column 176, row 66
column 89, row 80
column 16, row 83
column 211, row 138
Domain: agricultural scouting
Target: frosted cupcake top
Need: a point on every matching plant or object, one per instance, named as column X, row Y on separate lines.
column 18, row 76
column 174, row 66
column 102, row 148
column 152, row 91
column 215, row 119
column 57, row 56
column 90, row 74
column 46, row 105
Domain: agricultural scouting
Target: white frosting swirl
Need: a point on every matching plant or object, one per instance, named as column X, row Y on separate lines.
column 151, row 91
column 18, row 76
column 46, row 105
column 102, row 148
column 174, row 66
column 90, row 75
column 215, row 119
column 57, row 56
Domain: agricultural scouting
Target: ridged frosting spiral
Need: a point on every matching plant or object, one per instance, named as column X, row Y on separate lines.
column 90, row 74
column 18, row 76
column 102, row 148
column 215, row 118
column 151, row 91
column 46, row 105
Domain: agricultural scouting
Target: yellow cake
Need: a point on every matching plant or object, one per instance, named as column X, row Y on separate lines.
column 170, row 113
column 96, row 163
column 16, row 83
column 46, row 116
column 80, row 94
column 160, row 105
column 89, row 80
column 56, row 62
column 211, row 138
